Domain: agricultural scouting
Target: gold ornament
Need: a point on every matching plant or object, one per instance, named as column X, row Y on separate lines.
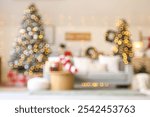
column 115, row 49
column 40, row 36
column 119, row 35
column 30, row 72
column 35, row 50
column 35, row 46
column 116, row 40
column 126, row 41
column 32, row 68
column 119, row 42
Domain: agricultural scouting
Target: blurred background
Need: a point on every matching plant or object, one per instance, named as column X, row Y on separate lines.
column 81, row 25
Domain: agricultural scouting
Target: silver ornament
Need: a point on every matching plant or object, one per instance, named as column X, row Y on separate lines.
column 29, row 47
column 35, row 36
column 41, row 45
column 28, row 28
column 30, row 33
column 26, row 67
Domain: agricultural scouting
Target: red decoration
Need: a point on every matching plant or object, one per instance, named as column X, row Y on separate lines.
column 68, row 65
column 67, row 53
column 17, row 79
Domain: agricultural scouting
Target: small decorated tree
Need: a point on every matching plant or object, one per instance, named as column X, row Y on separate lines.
column 121, row 38
column 123, row 43
column 30, row 50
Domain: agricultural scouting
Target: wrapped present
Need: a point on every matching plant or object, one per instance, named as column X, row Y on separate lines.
column 17, row 79
column 63, row 63
column 68, row 64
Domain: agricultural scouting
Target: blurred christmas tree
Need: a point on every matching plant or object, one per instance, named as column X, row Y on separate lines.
column 121, row 38
column 30, row 50
column 123, row 43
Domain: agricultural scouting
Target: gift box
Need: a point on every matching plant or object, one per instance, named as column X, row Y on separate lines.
column 17, row 79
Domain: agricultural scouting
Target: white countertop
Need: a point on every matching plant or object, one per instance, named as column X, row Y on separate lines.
column 23, row 93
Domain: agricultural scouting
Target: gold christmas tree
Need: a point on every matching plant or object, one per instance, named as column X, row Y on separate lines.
column 30, row 49
column 121, row 38
column 123, row 43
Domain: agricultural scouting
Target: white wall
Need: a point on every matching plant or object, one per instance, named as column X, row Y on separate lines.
column 96, row 16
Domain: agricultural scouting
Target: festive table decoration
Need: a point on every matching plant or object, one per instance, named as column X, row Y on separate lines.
column 68, row 64
column 63, row 63
column 121, row 38
column 62, row 72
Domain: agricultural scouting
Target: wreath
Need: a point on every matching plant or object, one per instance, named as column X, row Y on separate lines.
column 92, row 53
column 110, row 36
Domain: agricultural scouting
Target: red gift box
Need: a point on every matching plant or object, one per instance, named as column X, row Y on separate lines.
column 17, row 79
